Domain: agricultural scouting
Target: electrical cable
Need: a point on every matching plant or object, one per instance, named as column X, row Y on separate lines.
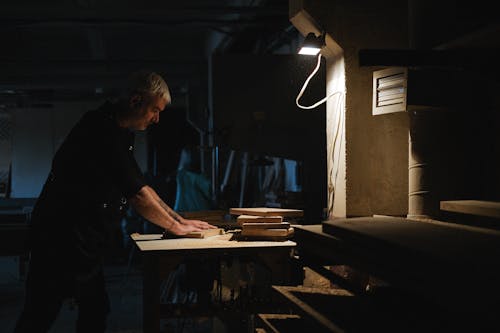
column 338, row 129
column 305, row 86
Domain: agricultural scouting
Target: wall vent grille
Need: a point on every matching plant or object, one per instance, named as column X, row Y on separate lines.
column 389, row 90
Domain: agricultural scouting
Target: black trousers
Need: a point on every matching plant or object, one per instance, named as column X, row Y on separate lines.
column 49, row 283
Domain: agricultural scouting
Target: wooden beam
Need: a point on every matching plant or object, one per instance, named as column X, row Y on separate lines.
column 308, row 310
column 472, row 207
column 435, row 58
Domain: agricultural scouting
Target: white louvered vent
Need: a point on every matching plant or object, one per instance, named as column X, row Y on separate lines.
column 389, row 90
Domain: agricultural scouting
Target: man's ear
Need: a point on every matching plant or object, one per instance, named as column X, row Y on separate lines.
column 135, row 101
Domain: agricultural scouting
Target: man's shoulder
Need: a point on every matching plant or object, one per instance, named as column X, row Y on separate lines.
column 102, row 116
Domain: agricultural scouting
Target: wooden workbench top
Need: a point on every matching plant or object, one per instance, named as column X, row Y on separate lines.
column 450, row 242
column 472, row 207
column 153, row 242
column 432, row 259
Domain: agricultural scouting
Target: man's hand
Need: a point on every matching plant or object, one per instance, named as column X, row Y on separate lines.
column 149, row 205
column 179, row 229
column 197, row 223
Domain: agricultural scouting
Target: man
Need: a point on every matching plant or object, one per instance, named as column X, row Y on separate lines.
column 94, row 174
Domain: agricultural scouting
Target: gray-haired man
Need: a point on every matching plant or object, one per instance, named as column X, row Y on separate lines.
column 93, row 176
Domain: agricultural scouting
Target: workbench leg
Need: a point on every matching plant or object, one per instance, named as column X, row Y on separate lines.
column 151, row 295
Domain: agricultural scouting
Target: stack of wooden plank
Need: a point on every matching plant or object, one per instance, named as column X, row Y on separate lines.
column 196, row 234
column 205, row 215
column 265, row 223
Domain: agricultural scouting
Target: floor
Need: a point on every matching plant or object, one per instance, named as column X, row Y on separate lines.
column 124, row 285
column 124, row 289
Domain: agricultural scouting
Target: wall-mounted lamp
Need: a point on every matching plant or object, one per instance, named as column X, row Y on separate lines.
column 312, row 44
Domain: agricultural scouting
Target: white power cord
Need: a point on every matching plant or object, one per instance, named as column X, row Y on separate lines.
column 337, row 128
column 305, row 86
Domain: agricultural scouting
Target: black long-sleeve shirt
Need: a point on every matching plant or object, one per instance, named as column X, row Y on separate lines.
column 93, row 173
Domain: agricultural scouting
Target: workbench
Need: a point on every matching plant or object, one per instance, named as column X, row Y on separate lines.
column 161, row 256
column 472, row 207
column 455, row 266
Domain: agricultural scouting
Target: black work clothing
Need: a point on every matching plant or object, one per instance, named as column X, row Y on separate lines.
column 49, row 284
column 93, row 175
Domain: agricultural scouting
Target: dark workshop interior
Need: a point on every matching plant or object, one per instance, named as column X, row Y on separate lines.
column 395, row 170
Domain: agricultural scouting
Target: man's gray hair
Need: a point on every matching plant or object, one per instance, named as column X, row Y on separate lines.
column 147, row 82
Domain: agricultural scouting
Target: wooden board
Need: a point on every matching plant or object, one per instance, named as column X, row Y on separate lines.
column 473, row 207
column 198, row 234
column 452, row 243
column 205, row 233
column 145, row 237
column 210, row 219
column 213, row 217
column 267, row 232
column 254, row 218
column 308, row 310
column 263, row 225
column 279, row 322
column 265, row 211
column 155, row 243
column 203, row 214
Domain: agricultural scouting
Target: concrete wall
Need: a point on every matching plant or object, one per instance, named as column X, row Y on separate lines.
column 374, row 177
column 467, row 132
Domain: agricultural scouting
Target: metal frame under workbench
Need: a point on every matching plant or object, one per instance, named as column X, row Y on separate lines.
column 161, row 256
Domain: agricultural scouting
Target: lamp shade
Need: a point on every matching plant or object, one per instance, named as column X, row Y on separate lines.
column 312, row 44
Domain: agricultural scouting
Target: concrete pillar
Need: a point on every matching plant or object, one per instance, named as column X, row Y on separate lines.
column 429, row 145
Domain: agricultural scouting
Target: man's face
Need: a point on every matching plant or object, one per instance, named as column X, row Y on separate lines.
column 147, row 111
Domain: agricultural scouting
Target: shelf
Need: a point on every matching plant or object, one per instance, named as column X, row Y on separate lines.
column 472, row 207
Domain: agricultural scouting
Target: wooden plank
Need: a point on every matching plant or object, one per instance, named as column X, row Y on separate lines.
column 267, row 232
column 145, row 237
column 205, row 233
column 196, row 234
column 263, row 225
column 429, row 259
column 278, row 316
column 443, row 241
column 472, row 207
column 309, row 310
column 255, row 218
column 440, row 58
column 215, row 242
column 203, row 214
column 266, row 211
column 270, row 319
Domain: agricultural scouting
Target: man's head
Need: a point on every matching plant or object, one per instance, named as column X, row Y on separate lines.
column 145, row 96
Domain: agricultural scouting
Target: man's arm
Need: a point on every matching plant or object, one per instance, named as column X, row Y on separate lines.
column 146, row 203
column 163, row 205
column 176, row 216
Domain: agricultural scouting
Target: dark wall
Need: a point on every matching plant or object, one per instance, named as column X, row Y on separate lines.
column 165, row 142
column 255, row 111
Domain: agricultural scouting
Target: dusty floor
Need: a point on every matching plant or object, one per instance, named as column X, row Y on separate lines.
column 124, row 285
column 125, row 291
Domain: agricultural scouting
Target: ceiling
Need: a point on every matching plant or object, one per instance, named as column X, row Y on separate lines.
column 80, row 48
